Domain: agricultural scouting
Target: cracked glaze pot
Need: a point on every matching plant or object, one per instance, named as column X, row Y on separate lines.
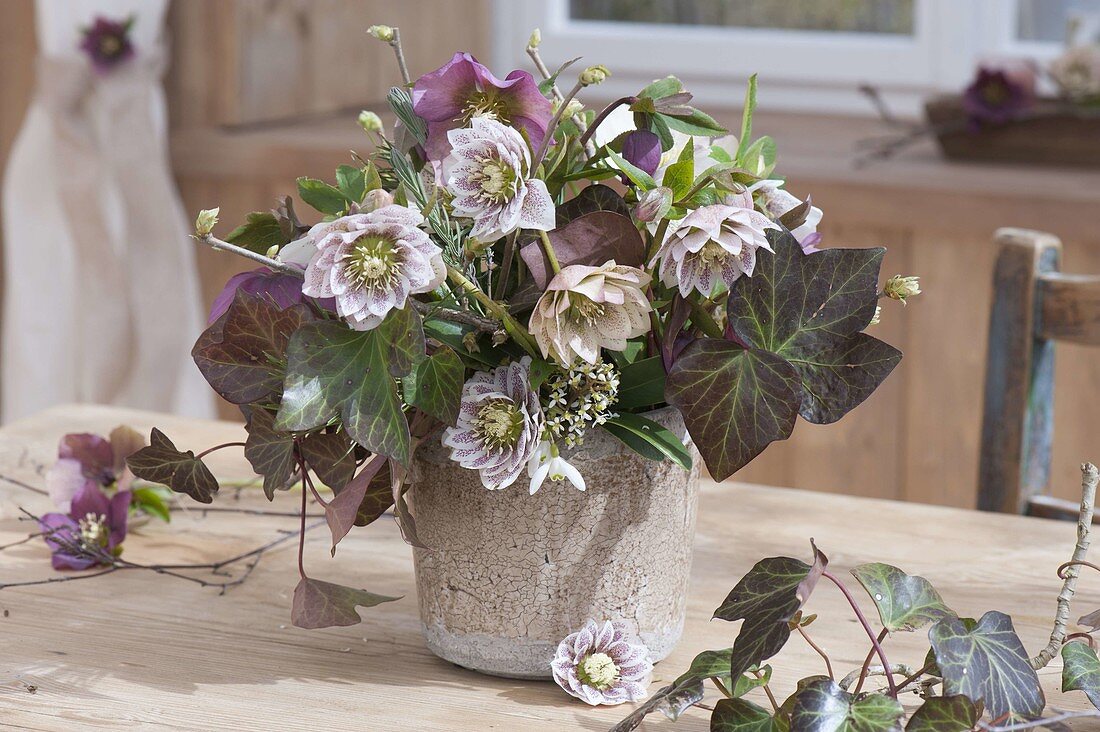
column 508, row 575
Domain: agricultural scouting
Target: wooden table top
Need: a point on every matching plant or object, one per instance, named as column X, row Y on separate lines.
column 136, row 650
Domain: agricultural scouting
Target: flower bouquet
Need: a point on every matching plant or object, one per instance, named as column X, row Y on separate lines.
column 532, row 314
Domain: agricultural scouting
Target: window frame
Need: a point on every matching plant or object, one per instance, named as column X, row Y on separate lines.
column 949, row 38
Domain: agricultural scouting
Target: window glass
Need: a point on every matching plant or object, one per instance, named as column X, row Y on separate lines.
column 1047, row 20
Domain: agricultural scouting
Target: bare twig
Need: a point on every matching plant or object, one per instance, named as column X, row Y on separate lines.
column 1089, row 479
column 896, row 670
column 24, row 486
column 482, row 323
column 1036, row 723
column 549, row 137
column 215, row 243
column 399, row 52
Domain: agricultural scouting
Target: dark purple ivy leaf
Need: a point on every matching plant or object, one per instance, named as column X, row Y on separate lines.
column 591, row 199
column 320, row 604
column 331, row 455
column 161, row 462
column 766, row 599
column 945, row 714
column 1090, row 620
column 735, row 401
column 242, row 353
column 270, row 451
column 591, row 239
column 342, row 511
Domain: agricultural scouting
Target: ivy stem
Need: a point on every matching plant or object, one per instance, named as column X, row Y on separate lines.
column 603, row 115
column 720, row 686
column 820, row 651
column 550, row 128
column 517, row 331
column 767, row 690
column 867, row 662
column 215, row 243
column 550, row 251
column 224, row 445
column 866, row 627
column 302, row 530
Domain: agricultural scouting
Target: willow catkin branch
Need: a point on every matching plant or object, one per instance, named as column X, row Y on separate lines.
column 1089, row 479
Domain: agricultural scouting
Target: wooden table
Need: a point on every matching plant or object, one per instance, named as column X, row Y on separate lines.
column 136, row 650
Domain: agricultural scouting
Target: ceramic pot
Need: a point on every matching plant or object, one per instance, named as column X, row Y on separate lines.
column 507, row 575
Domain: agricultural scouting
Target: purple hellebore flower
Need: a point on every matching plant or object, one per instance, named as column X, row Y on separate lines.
column 995, row 97
column 642, row 148
column 461, row 89
column 87, row 460
column 283, row 289
column 107, row 42
column 93, row 529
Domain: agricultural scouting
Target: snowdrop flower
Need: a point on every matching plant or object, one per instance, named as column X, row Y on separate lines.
column 713, row 243
column 487, row 173
column 371, row 263
column 602, row 664
column 499, row 424
column 547, row 462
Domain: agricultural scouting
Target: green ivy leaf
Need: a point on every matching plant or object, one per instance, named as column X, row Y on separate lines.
column 987, row 663
column 333, row 371
column 1081, row 671
column 945, row 714
column 435, row 385
column 648, row 439
column 269, row 451
column 320, row 195
column 260, row 232
column 352, row 182
column 766, row 599
column 319, row 604
column 822, row 705
column 242, row 353
column 741, row 715
column 904, row 602
column 641, row 384
column 809, row 309
column 162, row 463
column 735, row 401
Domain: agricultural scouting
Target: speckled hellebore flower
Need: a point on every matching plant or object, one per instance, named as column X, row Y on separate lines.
column 91, row 532
column 602, row 664
column 778, row 202
column 499, row 424
column 463, row 89
column 487, row 173
column 372, row 262
column 712, row 244
column 587, row 308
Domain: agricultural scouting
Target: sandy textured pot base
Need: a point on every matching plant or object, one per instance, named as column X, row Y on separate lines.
column 508, row 575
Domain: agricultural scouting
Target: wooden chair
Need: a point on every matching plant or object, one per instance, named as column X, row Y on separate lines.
column 1034, row 304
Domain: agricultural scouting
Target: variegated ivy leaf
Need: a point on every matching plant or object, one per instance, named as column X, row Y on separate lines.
column 987, row 662
column 904, row 602
column 335, row 372
column 1081, row 671
column 766, row 599
column 741, row 715
column 822, row 705
column 945, row 714
column 435, row 385
column 320, row 604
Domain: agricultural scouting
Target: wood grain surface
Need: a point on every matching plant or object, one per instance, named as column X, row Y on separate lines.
column 141, row 651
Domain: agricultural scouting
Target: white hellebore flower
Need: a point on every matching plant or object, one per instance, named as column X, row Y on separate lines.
column 499, row 424
column 778, row 202
column 487, row 173
column 547, row 462
column 372, row 262
column 713, row 243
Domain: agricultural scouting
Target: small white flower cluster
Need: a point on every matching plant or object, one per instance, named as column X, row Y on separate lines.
column 579, row 398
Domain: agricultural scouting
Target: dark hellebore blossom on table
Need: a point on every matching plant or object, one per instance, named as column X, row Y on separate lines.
column 997, row 96
column 90, row 460
column 107, row 42
column 91, row 533
column 462, row 89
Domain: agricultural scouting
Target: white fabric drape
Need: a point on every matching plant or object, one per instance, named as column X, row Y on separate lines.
column 101, row 298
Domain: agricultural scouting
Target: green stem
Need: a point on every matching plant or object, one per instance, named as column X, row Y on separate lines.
column 603, row 115
column 702, row 183
column 511, row 325
column 702, row 318
column 658, row 239
column 550, row 251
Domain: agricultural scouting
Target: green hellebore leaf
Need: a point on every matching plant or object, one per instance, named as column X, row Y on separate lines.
column 320, row 195
column 1081, row 671
column 352, row 182
column 648, row 439
column 662, row 88
column 435, row 385
column 822, row 705
column 746, row 121
column 809, row 309
column 987, row 663
column 241, row 354
column 637, row 176
column 320, row 604
column 741, row 715
column 945, row 714
column 260, row 232
column 333, row 371
column 693, row 122
column 269, row 451
column 735, row 401
column 641, row 384
column 150, row 500
column 904, row 602
column 162, row 463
